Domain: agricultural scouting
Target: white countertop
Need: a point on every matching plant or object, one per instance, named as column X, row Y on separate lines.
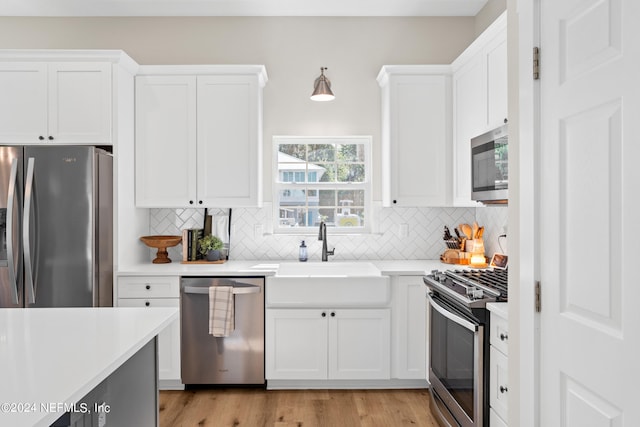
column 268, row 268
column 499, row 308
column 58, row 355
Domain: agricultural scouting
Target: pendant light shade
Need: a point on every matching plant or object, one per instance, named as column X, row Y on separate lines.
column 322, row 88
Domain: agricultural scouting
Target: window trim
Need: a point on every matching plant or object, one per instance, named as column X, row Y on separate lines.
column 366, row 185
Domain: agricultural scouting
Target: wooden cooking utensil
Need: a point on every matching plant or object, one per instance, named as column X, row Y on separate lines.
column 466, row 229
column 480, row 232
column 474, row 232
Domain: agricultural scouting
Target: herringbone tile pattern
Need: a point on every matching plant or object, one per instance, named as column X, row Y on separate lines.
column 423, row 240
column 494, row 219
column 173, row 221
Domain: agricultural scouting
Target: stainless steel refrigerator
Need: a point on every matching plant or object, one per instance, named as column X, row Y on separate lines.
column 56, row 226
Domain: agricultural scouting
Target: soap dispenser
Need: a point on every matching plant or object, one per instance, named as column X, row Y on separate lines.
column 302, row 256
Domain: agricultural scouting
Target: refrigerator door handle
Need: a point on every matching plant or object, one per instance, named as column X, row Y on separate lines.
column 13, row 185
column 28, row 198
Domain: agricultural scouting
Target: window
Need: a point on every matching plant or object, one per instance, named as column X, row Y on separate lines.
column 322, row 179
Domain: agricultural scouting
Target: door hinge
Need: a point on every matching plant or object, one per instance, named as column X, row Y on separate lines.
column 538, row 302
column 536, row 63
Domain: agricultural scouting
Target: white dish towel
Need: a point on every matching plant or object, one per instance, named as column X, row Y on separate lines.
column 221, row 311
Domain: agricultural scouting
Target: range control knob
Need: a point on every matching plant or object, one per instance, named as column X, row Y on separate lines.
column 475, row 293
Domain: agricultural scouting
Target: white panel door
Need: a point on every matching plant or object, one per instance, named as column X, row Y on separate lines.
column 589, row 207
column 229, row 146
column 359, row 344
column 166, row 141
column 23, row 102
column 296, row 344
column 80, row 102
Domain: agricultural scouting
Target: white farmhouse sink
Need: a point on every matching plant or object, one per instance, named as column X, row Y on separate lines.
column 328, row 269
column 327, row 285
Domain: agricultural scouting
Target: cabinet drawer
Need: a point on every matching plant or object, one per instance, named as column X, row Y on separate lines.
column 498, row 382
column 149, row 302
column 149, row 287
column 499, row 333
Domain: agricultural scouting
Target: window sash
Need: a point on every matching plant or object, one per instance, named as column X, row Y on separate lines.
column 355, row 218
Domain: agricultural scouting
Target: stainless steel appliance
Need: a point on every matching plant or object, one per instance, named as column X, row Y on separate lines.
column 490, row 166
column 236, row 359
column 56, row 226
column 459, row 343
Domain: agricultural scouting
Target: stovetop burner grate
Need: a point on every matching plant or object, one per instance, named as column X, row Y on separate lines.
column 496, row 279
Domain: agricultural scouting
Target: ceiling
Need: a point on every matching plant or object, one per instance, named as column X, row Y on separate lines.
column 240, row 7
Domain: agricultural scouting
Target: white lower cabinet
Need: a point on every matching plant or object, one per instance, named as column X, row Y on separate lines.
column 321, row 344
column 160, row 291
column 498, row 368
column 359, row 344
column 296, row 344
column 409, row 351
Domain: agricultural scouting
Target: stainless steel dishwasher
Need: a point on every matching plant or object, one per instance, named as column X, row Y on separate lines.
column 236, row 359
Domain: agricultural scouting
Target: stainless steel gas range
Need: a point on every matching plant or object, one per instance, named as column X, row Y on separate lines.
column 459, row 343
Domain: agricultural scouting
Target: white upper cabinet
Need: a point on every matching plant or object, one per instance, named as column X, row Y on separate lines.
column 229, row 141
column 199, row 136
column 469, row 99
column 55, row 102
column 429, row 115
column 23, row 104
column 416, row 135
column 165, row 140
column 496, row 59
column 479, row 100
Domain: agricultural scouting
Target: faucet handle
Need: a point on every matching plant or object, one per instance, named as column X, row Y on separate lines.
column 331, row 252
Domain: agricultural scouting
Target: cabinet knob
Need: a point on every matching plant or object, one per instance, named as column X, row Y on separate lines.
column 505, row 120
column 333, row 314
column 147, row 287
column 50, row 138
column 147, row 303
column 504, row 337
column 395, row 201
column 190, row 202
column 199, row 202
column 324, row 314
column 503, row 389
column 41, row 138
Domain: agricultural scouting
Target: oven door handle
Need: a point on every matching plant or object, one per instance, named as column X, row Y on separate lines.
column 451, row 316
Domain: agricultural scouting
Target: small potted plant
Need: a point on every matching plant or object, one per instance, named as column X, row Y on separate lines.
column 210, row 246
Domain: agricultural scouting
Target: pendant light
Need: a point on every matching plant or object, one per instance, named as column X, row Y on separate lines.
column 322, row 88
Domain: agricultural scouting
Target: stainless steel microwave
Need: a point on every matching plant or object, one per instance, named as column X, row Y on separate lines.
column 490, row 166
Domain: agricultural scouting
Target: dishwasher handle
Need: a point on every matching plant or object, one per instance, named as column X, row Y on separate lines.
column 238, row 288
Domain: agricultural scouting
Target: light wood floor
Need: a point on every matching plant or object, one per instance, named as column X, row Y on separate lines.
column 299, row 408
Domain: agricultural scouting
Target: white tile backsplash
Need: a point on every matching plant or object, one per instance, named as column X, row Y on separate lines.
column 494, row 218
column 401, row 233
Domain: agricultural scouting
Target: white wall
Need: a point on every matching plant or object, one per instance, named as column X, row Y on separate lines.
column 488, row 14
